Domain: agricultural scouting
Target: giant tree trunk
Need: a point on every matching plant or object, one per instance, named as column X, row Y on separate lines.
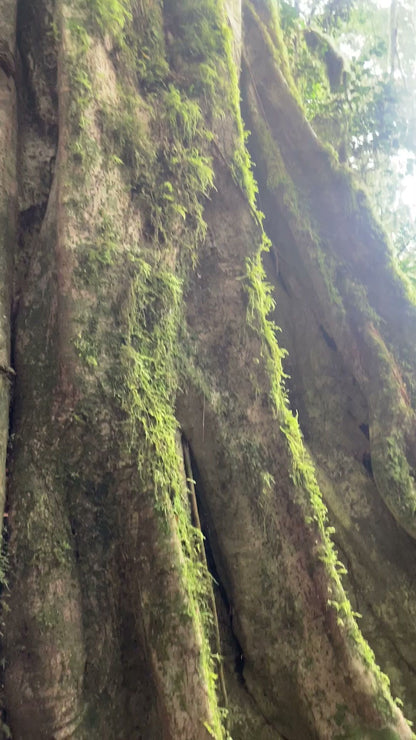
column 149, row 399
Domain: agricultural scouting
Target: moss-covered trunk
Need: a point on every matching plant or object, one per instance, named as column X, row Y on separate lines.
column 151, row 413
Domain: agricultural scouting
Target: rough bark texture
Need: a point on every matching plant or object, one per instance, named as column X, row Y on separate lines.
column 8, row 220
column 140, row 316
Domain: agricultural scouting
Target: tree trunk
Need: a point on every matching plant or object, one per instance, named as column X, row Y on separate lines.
column 171, row 565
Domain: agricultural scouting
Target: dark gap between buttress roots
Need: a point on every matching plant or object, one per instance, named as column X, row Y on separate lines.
column 221, row 597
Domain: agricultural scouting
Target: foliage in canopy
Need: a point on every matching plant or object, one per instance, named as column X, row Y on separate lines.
column 369, row 117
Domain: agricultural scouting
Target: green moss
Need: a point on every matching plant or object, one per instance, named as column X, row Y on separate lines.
column 126, row 135
column 241, row 170
column 197, row 49
column 171, row 179
column 327, row 266
column 147, row 47
column 322, row 45
column 279, row 182
column 308, row 494
column 148, row 379
column 109, row 16
column 260, row 305
column 159, row 149
column 357, row 294
column 270, row 30
column 396, row 479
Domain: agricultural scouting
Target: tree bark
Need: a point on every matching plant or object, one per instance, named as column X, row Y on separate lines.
column 141, row 310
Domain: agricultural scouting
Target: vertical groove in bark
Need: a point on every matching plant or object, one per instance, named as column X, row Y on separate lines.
column 197, row 523
column 8, row 230
column 8, row 217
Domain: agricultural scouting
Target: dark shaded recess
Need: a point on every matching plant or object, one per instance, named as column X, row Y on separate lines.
column 283, row 284
column 29, row 225
column 4, row 719
column 368, row 464
column 328, row 339
column 274, row 262
column 35, row 41
column 31, row 219
column 365, row 430
column 223, row 604
column 74, row 531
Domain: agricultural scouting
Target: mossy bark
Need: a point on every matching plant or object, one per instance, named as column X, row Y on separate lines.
column 140, row 311
column 348, row 324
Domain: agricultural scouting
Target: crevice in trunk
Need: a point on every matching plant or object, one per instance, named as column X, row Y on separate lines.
column 206, row 555
column 37, row 119
column 228, row 644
